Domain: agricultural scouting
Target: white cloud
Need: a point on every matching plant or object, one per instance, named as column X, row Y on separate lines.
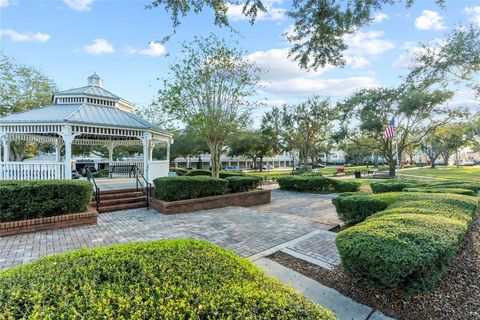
column 277, row 66
column 153, row 50
column 304, row 87
column 473, row 14
column 367, row 43
column 79, row 5
column 380, row 17
column 99, row 47
column 235, row 12
column 357, row 62
column 24, row 37
column 429, row 20
column 4, row 3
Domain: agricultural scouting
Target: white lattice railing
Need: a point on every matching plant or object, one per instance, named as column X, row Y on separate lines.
column 32, row 171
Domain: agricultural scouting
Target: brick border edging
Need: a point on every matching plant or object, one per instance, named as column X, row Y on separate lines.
column 49, row 223
column 241, row 199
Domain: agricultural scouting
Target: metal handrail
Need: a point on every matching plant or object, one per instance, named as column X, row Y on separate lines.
column 145, row 188
column 96, row 192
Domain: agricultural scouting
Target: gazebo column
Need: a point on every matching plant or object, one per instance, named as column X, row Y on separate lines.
column 169, row 142
column 68, row 138
column 6, row 147
column 111, row 147
column 58, row 150
column 147, row 138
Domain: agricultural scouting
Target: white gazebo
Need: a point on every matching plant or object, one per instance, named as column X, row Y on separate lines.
column 88, row 115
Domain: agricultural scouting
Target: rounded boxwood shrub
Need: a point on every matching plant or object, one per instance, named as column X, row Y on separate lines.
column 316, row 183
column 186, row 187
column 170, row 279
column 410, row 251
column 356, row 208
column 243, row 183
column 344, row 186
column 21, row 200
column 409, row 243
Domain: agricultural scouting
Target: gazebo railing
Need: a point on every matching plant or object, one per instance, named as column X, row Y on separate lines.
column 32, row 171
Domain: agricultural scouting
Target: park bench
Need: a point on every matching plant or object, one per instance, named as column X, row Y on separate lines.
column 381, row 175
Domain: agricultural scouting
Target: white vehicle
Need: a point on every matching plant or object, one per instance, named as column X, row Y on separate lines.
column 232, row 168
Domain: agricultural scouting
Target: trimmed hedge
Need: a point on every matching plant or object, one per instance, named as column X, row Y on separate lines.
column 399, row 185
column 381, row 187
column 186, row 187
column 222, row 174
column 103, row 173
column 180, row 171
column 170, row 279
column 243, row 183
column 407, row 240
column 22, row 200
column 198, row 172
column 441, row 190
column 316, row 183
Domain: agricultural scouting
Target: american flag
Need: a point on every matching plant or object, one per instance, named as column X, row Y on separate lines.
column 390, row 129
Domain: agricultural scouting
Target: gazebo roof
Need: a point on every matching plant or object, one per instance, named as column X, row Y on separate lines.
column 89, row 106
column 81, row 114
column 91, row 90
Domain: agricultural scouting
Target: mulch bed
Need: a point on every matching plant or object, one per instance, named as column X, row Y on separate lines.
column 457, row 295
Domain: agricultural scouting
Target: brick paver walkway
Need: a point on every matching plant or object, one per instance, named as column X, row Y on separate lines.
column 319, row 249
column 244, row 230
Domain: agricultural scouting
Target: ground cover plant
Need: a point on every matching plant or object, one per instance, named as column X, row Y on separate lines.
column 406, row 240
column 401, row 184
column 21, row 200
column 170, row 279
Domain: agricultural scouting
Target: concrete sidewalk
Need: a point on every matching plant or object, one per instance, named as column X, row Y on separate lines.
column 343, row 307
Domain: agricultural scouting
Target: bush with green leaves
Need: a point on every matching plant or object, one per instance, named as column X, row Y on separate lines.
column 21, row 200
column 179, row 171
column 188, row 187
column 226, row 174
column 198, row 172
column 441, row 190
column 243, row 183
column 406, row 241
column 103, row 173
column 316, row 183
column 381, row 187
column 169, row 279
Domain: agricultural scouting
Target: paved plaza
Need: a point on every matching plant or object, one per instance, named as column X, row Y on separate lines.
column 247, row 231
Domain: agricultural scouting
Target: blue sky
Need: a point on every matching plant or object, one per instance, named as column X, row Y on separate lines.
column 71, row 39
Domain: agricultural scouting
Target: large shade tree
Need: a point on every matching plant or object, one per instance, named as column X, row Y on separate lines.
column 209, row 89
column 451, row 61
column 303, row 127
column 414, row 109
column 319, row 28
column 22, row 88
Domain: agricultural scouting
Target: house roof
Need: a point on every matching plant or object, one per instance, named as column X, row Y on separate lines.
column 82, row 114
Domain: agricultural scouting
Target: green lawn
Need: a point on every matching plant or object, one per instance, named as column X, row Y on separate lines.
column 461, row 173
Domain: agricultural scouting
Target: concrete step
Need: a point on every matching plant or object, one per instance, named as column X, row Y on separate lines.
column 113, row 196
column 123, row 200
column 117, row 191
column 119, row 207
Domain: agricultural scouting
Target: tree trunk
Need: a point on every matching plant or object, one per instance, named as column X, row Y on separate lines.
column 215, row 152
column 261, row 164
column 392, row 167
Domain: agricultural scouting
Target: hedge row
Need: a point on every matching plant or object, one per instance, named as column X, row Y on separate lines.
column 222, row 175
column 243, row 183
column 407, row 239
column 441, row 190
column 192, row 187
column 22, row 200
column 170, row 279
column 187, row 187
column 399, row 185
column 316, row 183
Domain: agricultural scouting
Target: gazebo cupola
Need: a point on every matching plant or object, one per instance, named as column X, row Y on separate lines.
column 88, row 115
